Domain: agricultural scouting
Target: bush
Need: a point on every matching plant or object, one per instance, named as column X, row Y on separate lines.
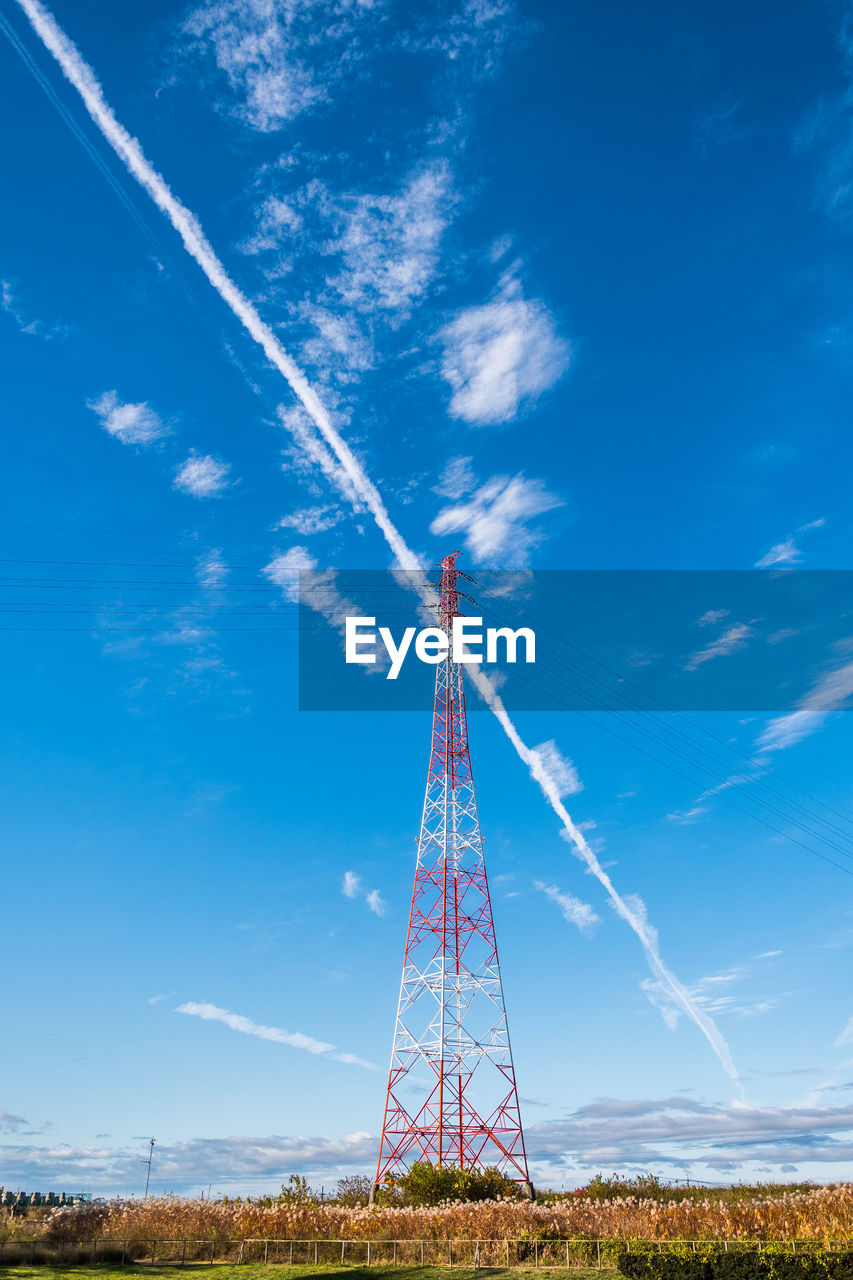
column 426, row 1184
column 713, row 1263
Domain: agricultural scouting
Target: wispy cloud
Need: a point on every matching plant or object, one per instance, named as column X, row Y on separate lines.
column 10, row 1123
column 389, row 243
column 733, row 638
column 456, row 479
column 686, row 817
column 312, row 520
column 787, row 552
column 129, row 423
column 499, row 356
column 830, row 692
column 846, row 1036
column 202, row 476
column 711, row 616
column 679, row 1130
column 352, row 887
column 232, row 1163
column 573, row 910
column 10, row 304
column 279, row 60
column 495, row 519
column 715, row 994
column 559, row 767
column 376, row 903
column 294, row 1039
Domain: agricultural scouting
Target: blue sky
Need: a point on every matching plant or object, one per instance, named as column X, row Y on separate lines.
column 571, row 282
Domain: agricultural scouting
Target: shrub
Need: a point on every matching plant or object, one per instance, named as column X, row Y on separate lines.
column 713, row 1263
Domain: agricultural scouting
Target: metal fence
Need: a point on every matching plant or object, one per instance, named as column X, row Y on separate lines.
column 562, row 1253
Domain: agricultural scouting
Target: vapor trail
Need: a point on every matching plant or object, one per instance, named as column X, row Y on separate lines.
column 631, row 910
column 78, row 72
column 351, row 476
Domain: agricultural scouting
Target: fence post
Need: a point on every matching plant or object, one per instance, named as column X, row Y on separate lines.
column 536, row 1254
column 184, row 1253
column 477, row 1255
column 212, row 1247
column 395, row 1253
column 694, row 1246
column 507, row 1253
column 598, row 1251
column 368, row 1252
column 153, row 1251
column 343, row 1247
column 450, row 1251
column 94, row 1249
column 240, row 1255
column 725, row 1246
column 422, row 1253
column 316, row 1247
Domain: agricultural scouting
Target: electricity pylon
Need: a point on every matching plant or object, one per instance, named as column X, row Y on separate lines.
column 452, row 1096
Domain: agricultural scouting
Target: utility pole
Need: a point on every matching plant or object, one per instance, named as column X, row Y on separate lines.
column 151, row 1142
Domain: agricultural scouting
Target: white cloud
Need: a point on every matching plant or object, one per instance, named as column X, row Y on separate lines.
column 280, row 59
column 559, row 768
column 233, row 1164
column 613, row 1132
column 787, row 552
column 296, row 572
column 711, row 616
column 295, row 1039
column 456, row 479
column 202, row 476
column 130, row 423
column 501, row 355
column 338, row 338
column 573, row 910
column 494, row 520
column 9, row 303
column 312, row 520
column 846, row 1036
column 351, row 886
column 376, row 903
column 733, row 638
column 390, row 243
column 829, row 693
column 212, row 571
column 686, row 817
column 715, row 994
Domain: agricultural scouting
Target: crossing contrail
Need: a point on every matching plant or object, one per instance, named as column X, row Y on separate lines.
column 347, row 471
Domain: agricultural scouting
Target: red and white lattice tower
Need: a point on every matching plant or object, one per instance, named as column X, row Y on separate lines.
column 452, row 1097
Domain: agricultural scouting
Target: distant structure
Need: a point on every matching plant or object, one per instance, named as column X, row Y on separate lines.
column 20, row 1201
column 452, row 1096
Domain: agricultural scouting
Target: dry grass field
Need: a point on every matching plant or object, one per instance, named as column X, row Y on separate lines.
column 734, row 1213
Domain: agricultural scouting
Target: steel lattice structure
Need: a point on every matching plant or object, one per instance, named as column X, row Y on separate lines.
column 452, row 1096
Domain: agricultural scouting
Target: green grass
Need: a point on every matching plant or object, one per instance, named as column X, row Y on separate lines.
column 247, row 1271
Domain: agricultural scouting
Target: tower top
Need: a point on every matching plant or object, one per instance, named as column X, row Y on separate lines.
column 448, row 590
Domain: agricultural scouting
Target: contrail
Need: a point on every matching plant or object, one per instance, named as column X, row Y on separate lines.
column 631, row 911
column 351, row 475
column 78, row 72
